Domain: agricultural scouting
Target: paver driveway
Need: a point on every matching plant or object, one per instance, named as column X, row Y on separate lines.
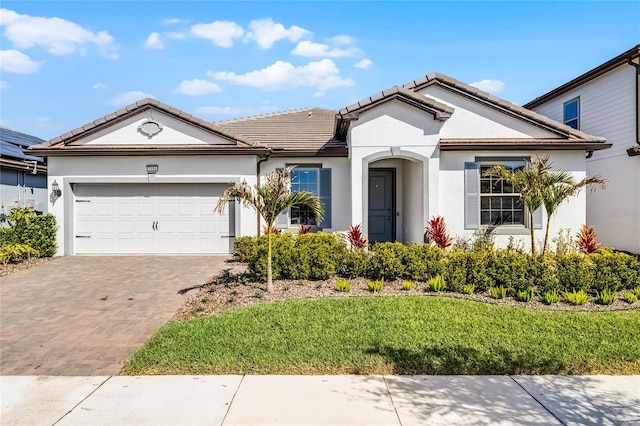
column 81, row 315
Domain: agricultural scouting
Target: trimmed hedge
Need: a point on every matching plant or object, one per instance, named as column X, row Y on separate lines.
column 38, row 232
column 322, row 255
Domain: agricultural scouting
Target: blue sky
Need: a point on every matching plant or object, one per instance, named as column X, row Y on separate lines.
column 64, row 64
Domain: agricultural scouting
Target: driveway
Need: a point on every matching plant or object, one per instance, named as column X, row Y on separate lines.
column 80, row 315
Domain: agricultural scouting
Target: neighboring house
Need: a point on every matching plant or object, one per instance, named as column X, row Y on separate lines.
column 23, row 178
column 145, row 179
column 605, row 101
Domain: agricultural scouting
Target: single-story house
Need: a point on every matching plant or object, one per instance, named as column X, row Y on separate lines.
column 146, row 178
column 23, row 178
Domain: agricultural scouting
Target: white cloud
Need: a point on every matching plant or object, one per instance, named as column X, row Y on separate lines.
column 57, row 36
column 128, row 98
column 15, row 61
column 491, row 86
column 265, row 32
column 175, row 36
column 3, row 84
column 310, row 49
column 342, row 40
column 154, row 41
column 173, row 21
column 221, row 33
column 322, row 75
column 197, row 87
column 99, row 86
column 364, row 64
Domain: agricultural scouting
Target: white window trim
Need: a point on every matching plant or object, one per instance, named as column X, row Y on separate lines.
column 564, row 109
column 511, row 227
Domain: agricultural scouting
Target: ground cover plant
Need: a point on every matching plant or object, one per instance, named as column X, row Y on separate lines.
column 393, row 335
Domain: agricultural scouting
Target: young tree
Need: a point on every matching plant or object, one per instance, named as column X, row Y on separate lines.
column 269, row 200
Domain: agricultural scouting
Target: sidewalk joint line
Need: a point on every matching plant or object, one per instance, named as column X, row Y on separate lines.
column 384, row 379
column 232, row 398
column 81, row 401
column 538, row 401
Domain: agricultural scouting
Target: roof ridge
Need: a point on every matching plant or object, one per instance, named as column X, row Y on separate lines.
column 445, row 80
column 270, row 114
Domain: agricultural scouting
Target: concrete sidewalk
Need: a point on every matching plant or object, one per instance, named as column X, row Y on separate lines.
column 320, row 400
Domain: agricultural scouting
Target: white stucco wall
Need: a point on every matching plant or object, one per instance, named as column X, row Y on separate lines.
column 174, row 132
column 607, row 108
column 340, row 190
column 171, row 169
column 571, row 215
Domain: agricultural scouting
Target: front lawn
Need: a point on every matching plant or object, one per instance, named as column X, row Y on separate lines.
column 394, row 335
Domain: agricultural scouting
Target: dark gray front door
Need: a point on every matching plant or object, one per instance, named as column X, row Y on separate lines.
column 381, row 205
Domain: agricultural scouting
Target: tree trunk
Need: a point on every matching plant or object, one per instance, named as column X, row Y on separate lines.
column 269, row 288
column 546, row 235
column 533, row 239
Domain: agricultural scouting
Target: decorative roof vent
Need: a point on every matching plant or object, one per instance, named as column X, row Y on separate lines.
column 150, row 128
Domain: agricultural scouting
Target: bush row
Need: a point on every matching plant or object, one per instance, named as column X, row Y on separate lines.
column 321, row 255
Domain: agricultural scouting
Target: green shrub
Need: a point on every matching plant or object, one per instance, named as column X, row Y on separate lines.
column 422, row 261
column 541, row 271
column 468, row 289
column 436, row 283
column 386, row 260
column 550, row 297
column 6, row 236
column 39, row 232
column 605, row 297
column 245, row 248
column 16, row 253
column 375, row 285
column 613, row 270
column 356, row 263
column 498, row 292
column 455, row 269
column 629, row 297
column 575, row 271
column 525, row 295
column 509, row 269
column 407, row 285
column 477, row 269
column 636, row 291
column 326, row 251
column 575, row 297
column 343, row 286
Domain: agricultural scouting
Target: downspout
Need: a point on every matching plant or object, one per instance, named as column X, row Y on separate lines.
column 636, row 149
column 261, row 159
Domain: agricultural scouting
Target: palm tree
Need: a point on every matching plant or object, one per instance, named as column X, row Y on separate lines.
column 269, row 200
column 560, row 186
column 529, row 182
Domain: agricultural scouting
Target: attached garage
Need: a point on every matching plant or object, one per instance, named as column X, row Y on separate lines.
column 151, row 219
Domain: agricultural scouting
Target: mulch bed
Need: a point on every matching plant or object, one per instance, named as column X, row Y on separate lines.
column 11, row 268
column 217, row 297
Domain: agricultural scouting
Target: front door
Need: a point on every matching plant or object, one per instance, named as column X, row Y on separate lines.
column 381, row 205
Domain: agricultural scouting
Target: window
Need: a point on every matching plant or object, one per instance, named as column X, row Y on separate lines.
column 572, row 113
column 499, row 203
column 304, row 180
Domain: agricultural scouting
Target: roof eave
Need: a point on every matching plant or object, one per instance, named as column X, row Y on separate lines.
column 596, row 72
column 122, row 150
column 524, row 146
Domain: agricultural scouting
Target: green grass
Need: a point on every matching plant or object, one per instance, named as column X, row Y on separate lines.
column 394, row 335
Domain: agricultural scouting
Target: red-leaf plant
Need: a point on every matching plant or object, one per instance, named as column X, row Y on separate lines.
column 587, row 239
column 356, row 239
column 273, row 230
column 304, row 229
column 437, row 232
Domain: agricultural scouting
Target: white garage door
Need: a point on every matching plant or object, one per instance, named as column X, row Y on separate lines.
column 151, row 219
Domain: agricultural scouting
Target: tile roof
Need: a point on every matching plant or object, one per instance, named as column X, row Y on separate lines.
column 304, row 130
column 501, row 105
column 135, row 108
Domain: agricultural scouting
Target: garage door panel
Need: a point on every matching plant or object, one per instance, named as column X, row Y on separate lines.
column 151, row 218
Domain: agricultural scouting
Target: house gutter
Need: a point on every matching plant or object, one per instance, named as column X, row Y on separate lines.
column 634, row 151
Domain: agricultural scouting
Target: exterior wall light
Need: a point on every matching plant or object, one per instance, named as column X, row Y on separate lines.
column 152, row 169
column 55, row 189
